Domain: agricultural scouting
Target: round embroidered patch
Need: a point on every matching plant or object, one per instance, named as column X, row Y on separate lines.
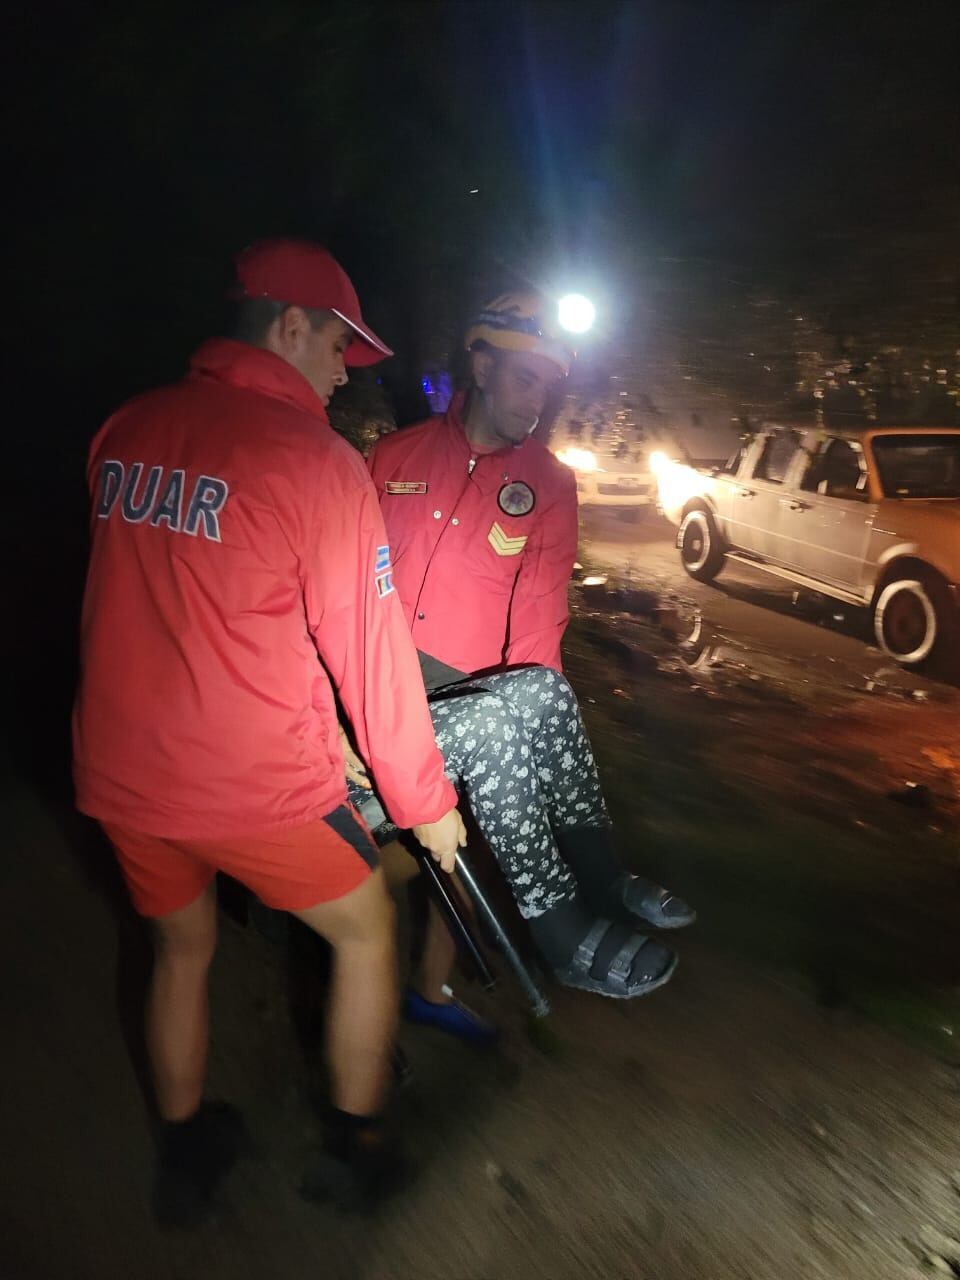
column 516, row 499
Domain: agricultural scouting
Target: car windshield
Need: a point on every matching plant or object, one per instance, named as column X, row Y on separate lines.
column 918, row 466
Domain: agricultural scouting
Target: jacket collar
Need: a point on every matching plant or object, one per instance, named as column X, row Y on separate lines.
column 254, row 369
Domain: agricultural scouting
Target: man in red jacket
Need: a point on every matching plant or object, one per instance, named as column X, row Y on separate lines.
column 239, row 578
column 482, row 521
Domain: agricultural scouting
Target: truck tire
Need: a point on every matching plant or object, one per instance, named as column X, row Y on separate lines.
column 914, row 619
column 701, row 552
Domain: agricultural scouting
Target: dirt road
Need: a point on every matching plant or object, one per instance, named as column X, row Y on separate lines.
column 750, row 612
column 788, row 1105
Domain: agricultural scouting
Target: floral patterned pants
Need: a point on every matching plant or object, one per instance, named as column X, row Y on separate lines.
column 516, row 743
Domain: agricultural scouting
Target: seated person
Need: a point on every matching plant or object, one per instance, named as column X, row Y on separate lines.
column 482, row 524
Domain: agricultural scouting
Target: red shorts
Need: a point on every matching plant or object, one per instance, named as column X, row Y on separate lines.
column 290, row 870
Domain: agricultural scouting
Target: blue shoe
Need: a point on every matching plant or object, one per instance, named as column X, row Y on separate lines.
column 453, row 1018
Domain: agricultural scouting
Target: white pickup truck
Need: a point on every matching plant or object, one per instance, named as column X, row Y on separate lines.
column 870, row 517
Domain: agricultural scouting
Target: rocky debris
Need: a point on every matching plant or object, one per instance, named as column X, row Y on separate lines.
column 631, row 658
column 595, row 592
column 507, row 1183
column 598, row 592
column 915, row 795
column 637, row 600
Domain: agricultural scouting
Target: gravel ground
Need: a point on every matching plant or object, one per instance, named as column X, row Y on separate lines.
column 788, row 1105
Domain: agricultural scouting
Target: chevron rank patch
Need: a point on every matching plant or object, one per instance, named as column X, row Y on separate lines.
column 504, row 545
column 405, row 486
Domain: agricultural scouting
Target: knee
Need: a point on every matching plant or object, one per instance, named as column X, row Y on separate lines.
column 534, row 689
column 193, row 950
column 562, row 688
column 376, row 927
column 498, row 718
column 551, row 686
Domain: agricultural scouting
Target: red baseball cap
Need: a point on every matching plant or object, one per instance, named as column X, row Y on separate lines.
column 303, row 274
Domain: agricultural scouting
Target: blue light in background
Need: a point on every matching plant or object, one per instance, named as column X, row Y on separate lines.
column 438, row 388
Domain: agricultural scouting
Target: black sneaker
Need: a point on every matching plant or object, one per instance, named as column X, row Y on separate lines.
column 195, row 1156
column 366, row 1172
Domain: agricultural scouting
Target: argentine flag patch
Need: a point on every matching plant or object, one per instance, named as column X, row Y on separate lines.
column 383, row 572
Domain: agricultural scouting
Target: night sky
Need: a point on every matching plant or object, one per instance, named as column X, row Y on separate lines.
column 803, row 147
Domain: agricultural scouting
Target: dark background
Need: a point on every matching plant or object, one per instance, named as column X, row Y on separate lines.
column 805, row 149
column 762, row 197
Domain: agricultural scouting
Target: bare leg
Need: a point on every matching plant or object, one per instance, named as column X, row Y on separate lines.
column 177, row 1006
column 438, row 958
column 430, row 1002
column 362, row 1010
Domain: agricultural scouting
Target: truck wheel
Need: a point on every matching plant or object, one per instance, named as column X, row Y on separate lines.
column 699, row 541
column 914, row 619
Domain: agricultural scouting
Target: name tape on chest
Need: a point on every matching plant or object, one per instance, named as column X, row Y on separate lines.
column 503, row 544
column 163, row 499
column 405, row 486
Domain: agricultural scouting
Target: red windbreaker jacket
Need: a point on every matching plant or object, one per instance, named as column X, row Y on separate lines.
column 483, row 545
column 235, row 537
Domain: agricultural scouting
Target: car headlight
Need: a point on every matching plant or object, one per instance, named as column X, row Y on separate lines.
column 580, row 459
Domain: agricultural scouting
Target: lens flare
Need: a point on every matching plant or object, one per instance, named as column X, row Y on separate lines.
column 576, row 313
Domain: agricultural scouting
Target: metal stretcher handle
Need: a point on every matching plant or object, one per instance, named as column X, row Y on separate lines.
column 373, row 814
column 539, row 1003
column 439, row 888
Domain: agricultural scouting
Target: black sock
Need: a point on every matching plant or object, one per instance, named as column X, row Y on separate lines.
column 212, row 1137
column 589, row 853
column 344, row 1131
column 559, row 931
column 181, row 1140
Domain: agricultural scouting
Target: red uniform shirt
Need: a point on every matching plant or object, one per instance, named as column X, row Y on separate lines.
column 483, row 544
column 234, row 537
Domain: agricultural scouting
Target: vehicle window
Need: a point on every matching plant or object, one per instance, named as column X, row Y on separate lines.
column 732, row 464
column 777, row 455
column 918, row 466
column 837, row 472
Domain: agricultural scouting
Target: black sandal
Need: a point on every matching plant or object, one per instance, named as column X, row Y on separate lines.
column 639, row 965
column 653, row 904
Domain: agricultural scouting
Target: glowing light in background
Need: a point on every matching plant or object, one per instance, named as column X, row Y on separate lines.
column 579, row 459
column 576, row 313
column 676, row 482
column 438, row 388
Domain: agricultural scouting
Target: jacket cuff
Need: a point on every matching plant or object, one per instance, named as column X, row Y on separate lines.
column 406, row 814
